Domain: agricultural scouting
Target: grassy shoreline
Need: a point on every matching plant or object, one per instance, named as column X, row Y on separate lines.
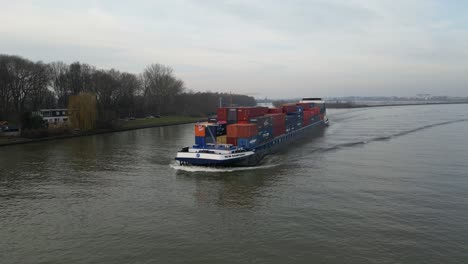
column 122, row 126
column 157, row 121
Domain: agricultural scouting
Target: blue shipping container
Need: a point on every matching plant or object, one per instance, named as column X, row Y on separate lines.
column 262, row 122
column 211, row 130
column 291, row 120
column 265, row 135
column 221, row 129
column 200, row 141
column 247, row 143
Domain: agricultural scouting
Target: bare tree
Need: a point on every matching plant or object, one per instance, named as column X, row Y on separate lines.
column 39, row 81
column 129, row 88
column 105, row 86
column 160, row 87
column 5, row 86
column 60, row 83
column 23, row 85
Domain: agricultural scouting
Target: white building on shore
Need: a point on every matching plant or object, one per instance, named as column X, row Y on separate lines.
column 53, row 116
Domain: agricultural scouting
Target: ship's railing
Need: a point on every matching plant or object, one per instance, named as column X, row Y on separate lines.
column 212, row 150
column 215, row 146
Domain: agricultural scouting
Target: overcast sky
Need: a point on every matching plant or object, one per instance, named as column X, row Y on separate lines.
column 271, row 48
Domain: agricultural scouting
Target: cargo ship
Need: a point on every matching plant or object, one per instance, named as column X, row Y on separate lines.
column 243, row 136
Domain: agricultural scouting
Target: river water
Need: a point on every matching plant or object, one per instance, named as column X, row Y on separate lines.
column 381, row 185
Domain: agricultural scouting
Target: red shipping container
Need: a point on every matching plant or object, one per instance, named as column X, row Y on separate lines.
column 305, row 106
column 309, row 113
column 289, row 108
column 241, row 130
column 279, row 130
column 278, row 119
column 222, row 114
column 317, row 110
column 232, row 141
column 307, row 117
column 313, row 111
column 275, row 110
column 245, row 113
column 263, row 111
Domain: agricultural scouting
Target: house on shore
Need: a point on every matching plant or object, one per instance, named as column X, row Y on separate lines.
column 53, row 116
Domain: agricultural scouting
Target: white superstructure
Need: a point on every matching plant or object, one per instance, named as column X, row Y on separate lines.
column 53, row 116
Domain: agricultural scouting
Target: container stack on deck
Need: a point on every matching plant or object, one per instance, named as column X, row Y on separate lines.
column 244, row 135
column 248, row 127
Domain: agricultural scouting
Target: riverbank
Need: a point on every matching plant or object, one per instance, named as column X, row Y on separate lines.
column 122, row 126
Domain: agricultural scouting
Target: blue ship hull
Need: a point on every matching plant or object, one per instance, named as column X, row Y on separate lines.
column 285, row 140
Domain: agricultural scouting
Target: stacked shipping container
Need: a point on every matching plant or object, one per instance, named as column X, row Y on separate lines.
column 279, row 124
column 308, row 118
column 264, row 126
column 241, row 133
column 207, row 133
column 277, row 110
column 288, row 108
column 249, row 126
column 227, row 114
column 244, row 114
column 234, row 115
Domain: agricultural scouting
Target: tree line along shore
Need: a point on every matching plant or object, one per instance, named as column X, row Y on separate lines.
column 98, row 99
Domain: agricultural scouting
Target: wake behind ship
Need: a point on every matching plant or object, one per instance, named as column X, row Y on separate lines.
column 243, row 136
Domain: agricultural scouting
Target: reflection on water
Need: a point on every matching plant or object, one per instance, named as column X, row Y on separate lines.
column 384, row 185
